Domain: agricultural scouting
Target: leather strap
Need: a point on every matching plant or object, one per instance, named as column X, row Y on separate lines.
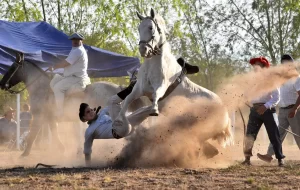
column 174, row 84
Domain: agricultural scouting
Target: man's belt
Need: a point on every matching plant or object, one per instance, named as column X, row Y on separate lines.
column 287, row 107
column 256, row 105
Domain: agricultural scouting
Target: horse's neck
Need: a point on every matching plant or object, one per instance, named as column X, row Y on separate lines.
column 37, row 84
column 164, row 62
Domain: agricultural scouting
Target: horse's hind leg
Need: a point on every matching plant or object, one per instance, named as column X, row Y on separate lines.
column 209, row 150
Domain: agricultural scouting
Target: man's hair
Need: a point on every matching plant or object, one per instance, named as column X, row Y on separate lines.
column 26, row 107
column 82, row 108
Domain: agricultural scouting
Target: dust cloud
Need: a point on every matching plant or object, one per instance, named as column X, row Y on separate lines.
column 176, row 138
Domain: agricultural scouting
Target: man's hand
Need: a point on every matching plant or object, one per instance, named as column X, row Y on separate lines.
column 261, row 110
column 87, row 160
column 51, row 68
column 292, row 113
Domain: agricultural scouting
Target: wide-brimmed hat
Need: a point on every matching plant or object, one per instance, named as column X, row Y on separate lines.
column 76, row 36
column 8, row 110
column 262, row 60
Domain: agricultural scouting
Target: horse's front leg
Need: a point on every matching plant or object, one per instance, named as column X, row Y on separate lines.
column 135, row 94
column 121, row 125
column 158, row 93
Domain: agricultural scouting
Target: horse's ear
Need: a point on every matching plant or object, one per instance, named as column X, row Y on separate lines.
column 140, row 16
column 152, row 13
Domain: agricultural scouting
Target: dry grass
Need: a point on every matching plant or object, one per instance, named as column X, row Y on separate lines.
column 234, row 177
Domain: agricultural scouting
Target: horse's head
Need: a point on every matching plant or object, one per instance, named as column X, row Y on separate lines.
column 13, row 76
column 152, row 36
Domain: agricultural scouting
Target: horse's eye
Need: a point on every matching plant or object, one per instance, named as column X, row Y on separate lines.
column 150, row 27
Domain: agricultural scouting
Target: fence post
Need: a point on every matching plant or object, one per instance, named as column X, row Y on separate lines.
column 18, row 121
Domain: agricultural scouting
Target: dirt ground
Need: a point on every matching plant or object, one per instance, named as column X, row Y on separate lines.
column 222, row 172
column 233, row 177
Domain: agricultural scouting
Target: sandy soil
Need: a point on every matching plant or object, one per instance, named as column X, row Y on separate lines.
column 221, row 172
column 233, row 177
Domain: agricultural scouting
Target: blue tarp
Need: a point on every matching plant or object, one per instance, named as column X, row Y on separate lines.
column 44, row 45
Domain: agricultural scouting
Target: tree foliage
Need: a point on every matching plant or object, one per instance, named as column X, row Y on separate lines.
column 219, row 37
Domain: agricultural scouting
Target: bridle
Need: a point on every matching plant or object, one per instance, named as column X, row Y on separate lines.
column 20, row 62
column 156, row 50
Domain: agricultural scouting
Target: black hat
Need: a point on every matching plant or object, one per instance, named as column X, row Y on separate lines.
column 82, row 108
column 287, row 57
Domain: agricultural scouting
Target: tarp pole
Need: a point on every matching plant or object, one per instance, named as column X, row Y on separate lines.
column 18, row 121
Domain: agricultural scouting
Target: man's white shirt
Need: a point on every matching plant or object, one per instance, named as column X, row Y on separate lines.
column 289, row 92
column 270, row 100
column 79, row 62
column 99, row 129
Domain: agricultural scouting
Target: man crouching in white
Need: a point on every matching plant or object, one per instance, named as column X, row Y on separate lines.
column 102, row 125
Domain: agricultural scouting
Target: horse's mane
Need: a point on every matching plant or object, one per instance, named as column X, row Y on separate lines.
column 161, row 22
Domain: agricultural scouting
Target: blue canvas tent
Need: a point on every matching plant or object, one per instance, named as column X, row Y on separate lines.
column 44, row 45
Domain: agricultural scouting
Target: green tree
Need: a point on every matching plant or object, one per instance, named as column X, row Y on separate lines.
column 258, row 27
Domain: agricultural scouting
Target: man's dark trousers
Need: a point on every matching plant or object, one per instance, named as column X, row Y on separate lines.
column 254, row 124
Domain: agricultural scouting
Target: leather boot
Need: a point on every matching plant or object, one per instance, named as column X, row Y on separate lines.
column 265, row 157
column 280, row 162
column 246, row 161
column 190, row 69
column 124, row 93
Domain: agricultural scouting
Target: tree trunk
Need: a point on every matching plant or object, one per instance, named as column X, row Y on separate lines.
column 59, row 16
column 269, row 34
column 280, row 29
column 43, row 7
column 25, row 10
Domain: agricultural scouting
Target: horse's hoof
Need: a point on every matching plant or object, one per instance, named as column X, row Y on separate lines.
column 209, row 150
column 154, row 114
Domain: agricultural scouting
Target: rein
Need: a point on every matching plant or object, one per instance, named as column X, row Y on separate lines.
column 156, row 50
column 26, row 86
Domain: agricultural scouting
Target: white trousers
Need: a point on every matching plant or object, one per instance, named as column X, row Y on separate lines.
column 285, row 123
column 60, row 85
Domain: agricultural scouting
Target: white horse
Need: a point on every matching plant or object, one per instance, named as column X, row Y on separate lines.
column 160, row 71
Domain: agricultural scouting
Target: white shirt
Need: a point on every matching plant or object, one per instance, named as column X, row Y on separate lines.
column 270, row 100
column 79, row 62
column 289, row 92
column 99, row 129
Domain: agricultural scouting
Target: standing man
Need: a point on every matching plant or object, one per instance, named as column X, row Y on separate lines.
column 263, row 112
column 26, row 118
column 75, row 77
column 288, row 115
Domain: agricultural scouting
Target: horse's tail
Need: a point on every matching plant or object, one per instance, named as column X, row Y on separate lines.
column 226, row 137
